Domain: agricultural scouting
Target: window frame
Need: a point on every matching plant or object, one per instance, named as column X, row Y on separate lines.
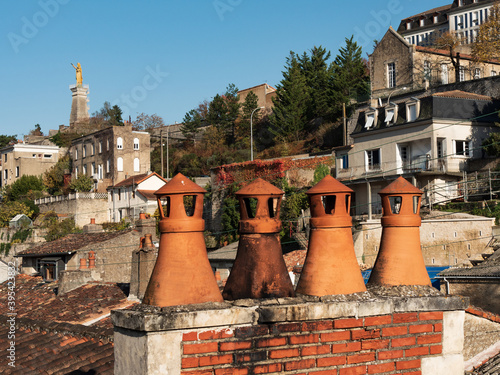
column 370, row 164
column 119, row 143
column 466, row 151
column 136, row 143
column 391, row 75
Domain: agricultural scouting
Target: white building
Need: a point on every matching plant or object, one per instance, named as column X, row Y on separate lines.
column 134, row 195
column 429, row 140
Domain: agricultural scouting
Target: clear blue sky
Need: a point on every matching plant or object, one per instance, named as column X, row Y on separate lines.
column 165, row 56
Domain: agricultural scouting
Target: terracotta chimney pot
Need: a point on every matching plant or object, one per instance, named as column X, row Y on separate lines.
column 182, row 274
column 330, row 266
column 399, row 260
column 92, row 221
column 83, row 263
column 91, row 259
column 259, row 270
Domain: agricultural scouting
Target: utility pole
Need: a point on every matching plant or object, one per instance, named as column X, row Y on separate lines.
column 168, row 171
column 161, row 151
column 345, row 129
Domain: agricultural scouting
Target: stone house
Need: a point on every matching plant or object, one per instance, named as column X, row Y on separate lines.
column 110, row 155
column 135, row 194
column 396, row 65
column 27, row 159
column 430, row 139
column 265, row 94
column 461, row 16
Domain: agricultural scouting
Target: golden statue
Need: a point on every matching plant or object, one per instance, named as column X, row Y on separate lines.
column 79, row 79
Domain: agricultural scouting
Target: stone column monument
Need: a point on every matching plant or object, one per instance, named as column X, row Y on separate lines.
column 79, row 108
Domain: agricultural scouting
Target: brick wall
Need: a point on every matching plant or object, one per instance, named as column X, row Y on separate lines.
column 372, row 345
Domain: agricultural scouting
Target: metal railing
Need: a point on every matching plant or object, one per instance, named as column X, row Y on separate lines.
column 61, row 198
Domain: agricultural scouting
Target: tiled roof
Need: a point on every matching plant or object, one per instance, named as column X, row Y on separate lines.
column 295, row 258
column 148, row 194
column 70, row 243
column 430, row 11
column 490, row 268
column 55, row 348
column 458, row 94
column 38, row 300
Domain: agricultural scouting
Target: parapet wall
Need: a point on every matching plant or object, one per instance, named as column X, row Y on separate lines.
column 363, row 333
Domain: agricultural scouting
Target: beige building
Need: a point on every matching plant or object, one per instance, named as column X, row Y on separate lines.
column 397, row 66
column 111, row 155
column 27, row 159
column 265, row 94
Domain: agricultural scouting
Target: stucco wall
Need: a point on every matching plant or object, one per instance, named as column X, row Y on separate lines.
column 81, row 209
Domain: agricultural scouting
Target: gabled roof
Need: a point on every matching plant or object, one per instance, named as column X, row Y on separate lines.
column 148, row 194
column 136, row 179
column 70, row 243
column 430, row 12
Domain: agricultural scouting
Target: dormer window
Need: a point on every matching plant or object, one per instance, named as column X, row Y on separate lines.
column 422, row 21
column 436, row 18
column 408, row 25
column 370, row 119
column 412, row 110
column 391, row 114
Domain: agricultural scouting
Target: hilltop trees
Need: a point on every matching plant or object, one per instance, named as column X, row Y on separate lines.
column 487, row 44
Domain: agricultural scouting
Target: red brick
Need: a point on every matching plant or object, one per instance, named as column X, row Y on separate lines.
column 264, row 369
column 215, row 334
column 347, row 347
column 413, row 373
column 359, row 358
column 405, row 318
column 283, row 353
column 431, row 315
column 347, row 323
column 405, row 341
column 421, row 328
column 336, row 336
column 324, row 372
column 315, row 350
column 394, row 331
column 403, row 365
column 374, row 344
column 244, row 332
column 358, row 370
column 190, row 362
column 331, row 361
column 436, row 349
column 438, row 327
column 206, row 347
column 390, row 354
column 250, row 357
column 235, row 345
column 190, row 336
column 200, row 372
column 429, row 339
column 296, row 365
column 423, row 350
column 277, row 341
column 216, row 360
column 378, row 320
column 231, row 371
column 365, row 334
column 323, row 325
column 286, row 327
column 383, row 367
column 304, row 339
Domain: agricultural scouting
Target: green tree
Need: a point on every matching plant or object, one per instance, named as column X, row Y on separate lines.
column 82, row 183
column 289, row 117
column 350, row 75
column 115, row 116
column 486, row 46
column 12, row 208
column 24, row 187
column 223, row 112
column 492, row 144
column 53, row 179
column 5, row 140
column 243, row 127
column 144, row 122
column 191, row 124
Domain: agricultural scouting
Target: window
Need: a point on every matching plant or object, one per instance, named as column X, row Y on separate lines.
column 119, row 164
column 92, row 148
column 5, row 157
column 444, row 74
column 475, row 18
column 137, row 167
column 461, row 74
column 412, row 112
column 391, row 75
column 100, row 147
column 436, row 19
column 389, row 116
column 408, row 25
column 108, row 163
column 84, row 169
column 427, row 70
column 422, row 21
column 440, row 148
column 462, row 148
column 344, row 161
column 460, row 22
column 84, row 152
column 76, row 154
column 370, row 118
column 92, row 169
column 136, row 143
column 47, row 156
column 119, row 143
column 107, row 144
column 404, row 153
column 76, row 172
column 493, row 73
column 5, row 175
column 477, row 73
column 372, row 159
column 99, row 171
column 17, row 171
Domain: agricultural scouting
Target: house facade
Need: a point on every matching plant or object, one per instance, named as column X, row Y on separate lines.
column 265, row 94
column 110, row 155
column 134, row 195
column 27, row 159
column 397, row 66
column 429, row 140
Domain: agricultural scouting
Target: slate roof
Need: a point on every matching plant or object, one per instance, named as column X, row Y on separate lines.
column 57, row 348
column 70, row 243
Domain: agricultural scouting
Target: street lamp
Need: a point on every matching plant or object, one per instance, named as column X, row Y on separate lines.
column 393, row 91
column 251, row 132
